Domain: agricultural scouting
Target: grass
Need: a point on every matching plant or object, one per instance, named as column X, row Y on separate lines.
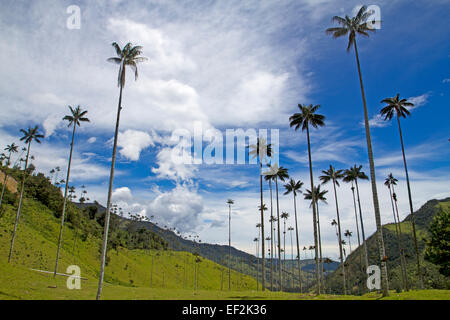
column 128, row 273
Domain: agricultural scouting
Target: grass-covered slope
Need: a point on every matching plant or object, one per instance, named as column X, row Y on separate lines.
column 432, row 278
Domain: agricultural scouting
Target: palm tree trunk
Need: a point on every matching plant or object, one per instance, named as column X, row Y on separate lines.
column 320, row 249
column 284, row 249
column 279, row 238
column 229, row 247
column 398, row 238
column 65, row 201
column 298, row 247
column 314, row 213
column 419, row 272
column 357, row 224
column 366, row 256
column 263, row 274
column 401, row 245
column 292, row 265
column 381, row 250
column 340, row 236
column 257, row 260
column 108, row 206
column 271, row 237
column 19, row 208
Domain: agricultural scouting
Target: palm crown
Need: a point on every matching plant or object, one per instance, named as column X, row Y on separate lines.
column 31, row 134
column 351, row 26
column 354, row 173
column 128, row 56
column 397, row 106
column 261, row 150
column 230, row 201
column 77, row 115
column 306, row 117
column 331, row 174
column 390, row 180
column 12, row 148
column 318, row 194
column 293, row 186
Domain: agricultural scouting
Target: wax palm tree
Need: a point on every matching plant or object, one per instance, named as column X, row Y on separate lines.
column 349, row 234
column 399, row 107
column 76, row 116
column 290, row 229
column 128, row 56
column 284, row 216
column 320, row 196
column 390, row 182
column 308, row 117
column 12, row 148
column 256, row 240
column 294, row 187
column 258, row 226
column 352, row 27
column 278, row 173
column 349, row 177
column 261, row 151
column 354, row 174
column 229, row 202
column 32, row 134
column 269, row 177
column 333, row 175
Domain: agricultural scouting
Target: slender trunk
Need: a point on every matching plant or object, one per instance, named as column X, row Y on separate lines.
column 229, row 247
column 65, row 201
column 19, row 208
column 419, row 272
column 381, row 250
column 279, row 238
column 263, row 274
column 257, row 261
column 284, row 249
column 292, row 265
column 314, row 213
column 320, row 249
column 108, row 206
column 357, row 224
column 402, row 251
column 340, row 236
column 398, row 237
column 298, row 247
column 366, row 256
column 271, row 237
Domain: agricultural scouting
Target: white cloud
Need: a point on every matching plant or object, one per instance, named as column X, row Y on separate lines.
column 133, row 142
column 122, row 194
column 447, row 80
column 92, row 140
column 378, row 122
column 419, row 101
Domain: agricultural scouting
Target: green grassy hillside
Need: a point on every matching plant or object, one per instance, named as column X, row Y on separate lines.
column 36, row 244
column 432, row 278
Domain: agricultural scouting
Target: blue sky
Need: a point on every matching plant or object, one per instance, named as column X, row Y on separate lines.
column 228, row 65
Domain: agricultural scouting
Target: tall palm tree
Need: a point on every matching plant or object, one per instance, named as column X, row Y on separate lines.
column 12, row 148
column 399, row 107
column 229, row 202
column 75, row 118
column 32, row 134
column 319, row 196
column 258, row 225
column 268, row 177
column 354, row 174
column 349, row 234
column 354, row 26
column 128, row 56
column 256, row 240
column 261, row 151
column 390, row 182
column 290, row 229
column 278, row 173
column 334, row 176
column 349, row 177
column 294, row 187
column 284, row 216
column 304, row 119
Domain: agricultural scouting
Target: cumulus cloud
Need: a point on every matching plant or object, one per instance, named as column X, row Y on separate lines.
column 92, row 140
column 133, row 142
column 419, row 101
column 122, row 194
